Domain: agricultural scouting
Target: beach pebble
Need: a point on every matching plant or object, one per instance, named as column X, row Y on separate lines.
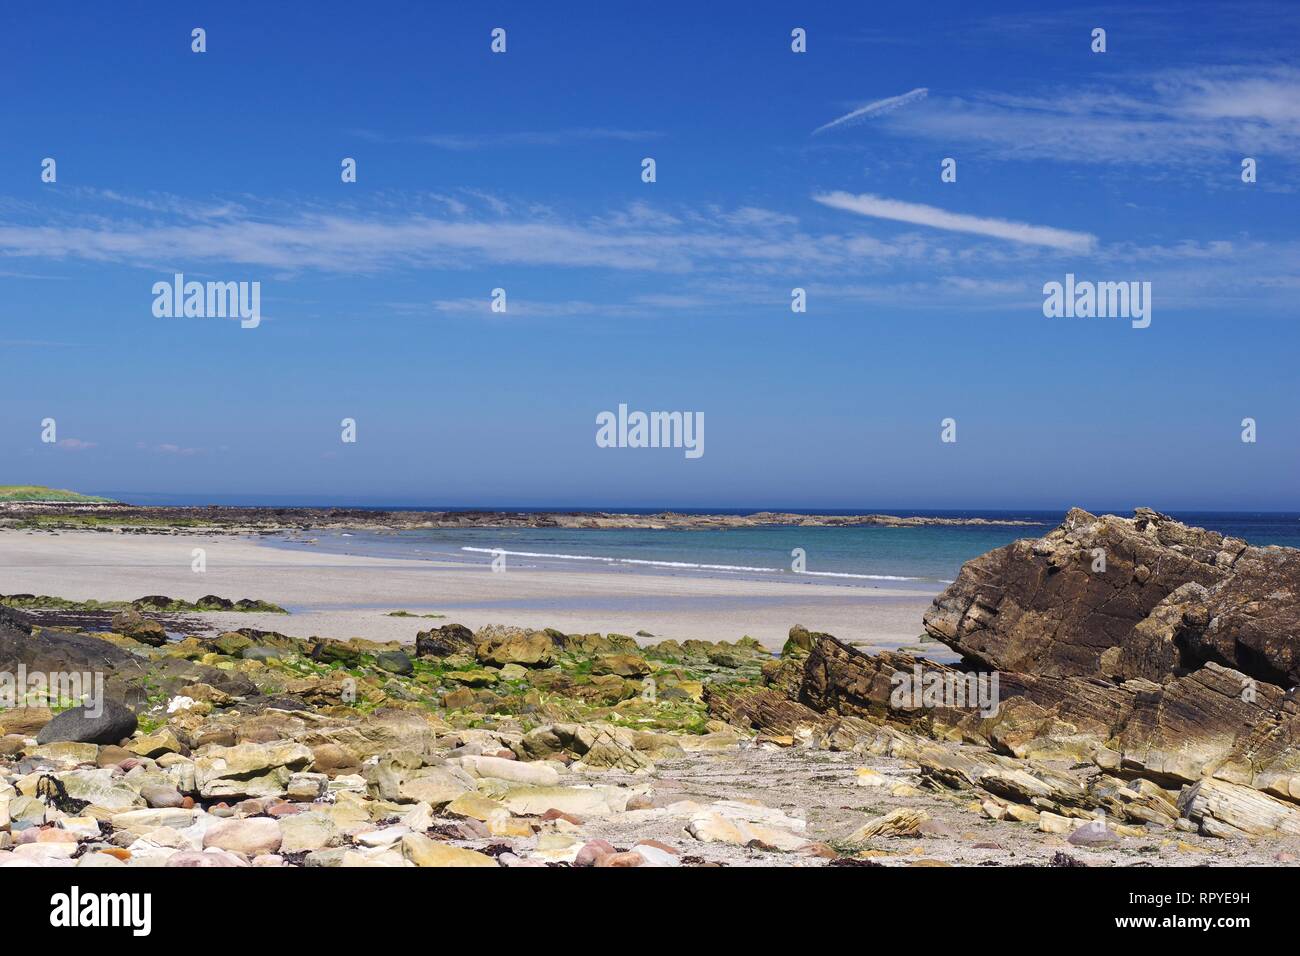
column 251, row 836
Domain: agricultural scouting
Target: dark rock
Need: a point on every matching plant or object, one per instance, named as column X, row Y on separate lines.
column 335, row 652
column 265, row 607
column 283, row 702
column 232, row 643
column 61, row 652
column 113, row 723
column 139, row 628
column 395, row 662
column 444, row 641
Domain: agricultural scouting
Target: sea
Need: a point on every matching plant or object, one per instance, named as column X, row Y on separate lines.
column 921, row 558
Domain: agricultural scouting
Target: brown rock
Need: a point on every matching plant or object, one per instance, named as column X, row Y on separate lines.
column 593, row 852
column 444, row 641
column 25, row 721
column 631, row 858
column 136, row 626
column 1170, row 598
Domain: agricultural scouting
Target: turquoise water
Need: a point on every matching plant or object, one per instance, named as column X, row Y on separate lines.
column 857, row 556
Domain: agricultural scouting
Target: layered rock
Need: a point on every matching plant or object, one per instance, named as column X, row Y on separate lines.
column 1141, row 597
column 1132, row 654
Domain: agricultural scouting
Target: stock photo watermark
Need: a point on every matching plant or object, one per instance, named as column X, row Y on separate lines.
column 208, row 300
column 635, row 429
column 1084, row 299
column 919, row 689
column 57, row 689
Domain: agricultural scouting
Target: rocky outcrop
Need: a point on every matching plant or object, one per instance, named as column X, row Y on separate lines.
column 1142, row 597
column 26, row 649
column 1226, row 809
column 1136, row 650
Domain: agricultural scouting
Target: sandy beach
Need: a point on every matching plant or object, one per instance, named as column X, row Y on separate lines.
column 341, row 596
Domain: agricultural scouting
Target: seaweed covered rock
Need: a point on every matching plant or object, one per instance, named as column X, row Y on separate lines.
column 444, row 641
column 136, row 626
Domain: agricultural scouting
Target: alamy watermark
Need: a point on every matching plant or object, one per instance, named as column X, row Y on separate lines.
column 1103, row 300
column 208, row 300
column 24, row 688
column 76, row 908
column 919, row 689
column 651, row 430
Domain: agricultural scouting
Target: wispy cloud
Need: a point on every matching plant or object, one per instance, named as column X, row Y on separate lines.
column 1177, row 118
column 877, row 108
column 921, row 215
column 348, row 241
column 669, row 258
column 170, row 448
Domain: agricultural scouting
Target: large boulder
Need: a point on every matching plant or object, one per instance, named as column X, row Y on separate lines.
column 444, row 641
column 44, row 651
column 103, row 722
column 514, row 646
column 249, row 770
column 252, row 837
column 1142, row 597
column 136, row 626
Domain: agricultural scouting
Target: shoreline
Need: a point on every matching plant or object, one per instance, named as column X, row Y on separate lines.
column 341, row 596
column 161, row 519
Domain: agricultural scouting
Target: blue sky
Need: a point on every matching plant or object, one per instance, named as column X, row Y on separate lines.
column 523, row 171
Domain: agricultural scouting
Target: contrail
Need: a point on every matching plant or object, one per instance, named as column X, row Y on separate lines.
column 887, row 105
column 881, row 208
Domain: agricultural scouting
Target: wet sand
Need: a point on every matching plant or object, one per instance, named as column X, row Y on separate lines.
column 334, row 595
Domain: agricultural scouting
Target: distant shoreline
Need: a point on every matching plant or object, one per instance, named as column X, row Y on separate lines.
column 56, row 515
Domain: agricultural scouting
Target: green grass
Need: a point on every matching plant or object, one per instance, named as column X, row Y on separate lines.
column 41, row 493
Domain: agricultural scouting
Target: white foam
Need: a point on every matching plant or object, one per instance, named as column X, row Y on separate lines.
column 863, row 577
column 686, row 565
column 592, row 557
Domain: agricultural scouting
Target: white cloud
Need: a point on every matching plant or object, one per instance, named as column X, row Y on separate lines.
column 345, row 241
column 1173, row 118
column 921, row 215
column 876, row 108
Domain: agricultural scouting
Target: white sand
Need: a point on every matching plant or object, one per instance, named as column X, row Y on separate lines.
column 344, row 596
